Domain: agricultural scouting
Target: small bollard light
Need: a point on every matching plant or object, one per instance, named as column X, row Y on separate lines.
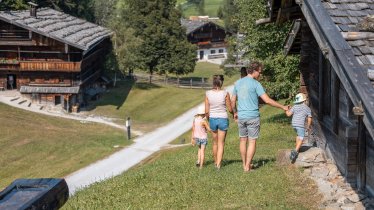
column 128, row 126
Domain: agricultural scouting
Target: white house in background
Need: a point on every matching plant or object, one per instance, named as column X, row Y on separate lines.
column 208, row 36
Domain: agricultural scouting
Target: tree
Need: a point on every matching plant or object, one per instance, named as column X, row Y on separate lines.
column 102, row 10
column 201, row 7
column 229, row 15
column 156, row 23
column 266, row 45
column 13, row 5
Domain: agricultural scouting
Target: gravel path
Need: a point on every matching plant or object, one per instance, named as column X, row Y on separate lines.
column 124, row 159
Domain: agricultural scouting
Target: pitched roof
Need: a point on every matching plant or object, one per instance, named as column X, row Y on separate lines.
column 58, row 25
column 347, row 15
column 334, row 24
column 193, row 25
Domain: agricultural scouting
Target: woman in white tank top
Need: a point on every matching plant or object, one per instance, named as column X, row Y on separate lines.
column 217, row 102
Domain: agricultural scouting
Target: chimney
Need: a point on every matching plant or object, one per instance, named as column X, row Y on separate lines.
column 33, row 7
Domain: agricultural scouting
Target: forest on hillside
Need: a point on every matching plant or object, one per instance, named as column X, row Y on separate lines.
column 148, row 35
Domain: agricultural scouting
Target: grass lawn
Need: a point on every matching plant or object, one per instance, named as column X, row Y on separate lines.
column 170, row 180
column 150, row 106
column 37, row 146
column 207, row 70
column 211, row 8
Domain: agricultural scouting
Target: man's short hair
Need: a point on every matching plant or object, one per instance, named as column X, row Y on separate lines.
column 254, row 66
column 243, row 72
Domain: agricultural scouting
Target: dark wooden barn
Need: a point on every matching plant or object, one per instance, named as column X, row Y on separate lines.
column 49, row 56
column 336, row 47
column 208, row 36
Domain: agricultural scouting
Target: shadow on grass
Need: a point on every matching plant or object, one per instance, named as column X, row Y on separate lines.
column 146, row 86
column 184, row 78
column 113, row 96
column 116, row 96
column 279, row 118
column 258, row 163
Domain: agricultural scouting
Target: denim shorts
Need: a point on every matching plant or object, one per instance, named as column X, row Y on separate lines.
column 249, row 128
column 201, row 141
column 218, row 124
column 300, row 132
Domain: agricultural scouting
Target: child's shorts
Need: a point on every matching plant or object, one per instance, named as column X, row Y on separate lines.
column 201, row 141
column 300, row 132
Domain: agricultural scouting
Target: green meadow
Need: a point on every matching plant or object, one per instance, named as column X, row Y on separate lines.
column 170, row 179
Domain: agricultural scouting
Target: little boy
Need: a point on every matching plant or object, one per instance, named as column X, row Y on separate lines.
column 300, row 112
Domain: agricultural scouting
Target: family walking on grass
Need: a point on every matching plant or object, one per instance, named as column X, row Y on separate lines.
column 244, row 107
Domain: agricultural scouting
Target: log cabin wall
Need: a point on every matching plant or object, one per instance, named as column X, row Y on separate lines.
column 92, row 63
column 337, row 130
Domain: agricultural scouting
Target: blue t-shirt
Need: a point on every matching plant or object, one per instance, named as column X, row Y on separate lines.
column 247, row 91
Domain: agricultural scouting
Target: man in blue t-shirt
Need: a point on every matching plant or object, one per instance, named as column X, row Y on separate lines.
column 246, row 93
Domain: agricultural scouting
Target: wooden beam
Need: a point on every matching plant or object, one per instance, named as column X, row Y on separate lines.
column 335, row 86
column 263, row 21
column 279, row 15
column 352, row 76
column 320, row 86
column 361, row 156
column 296, row 25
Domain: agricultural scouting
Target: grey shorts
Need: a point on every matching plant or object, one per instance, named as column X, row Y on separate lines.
column 249, row 128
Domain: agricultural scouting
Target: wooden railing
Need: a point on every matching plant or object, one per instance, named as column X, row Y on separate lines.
column 50, row 66
column 9, row 66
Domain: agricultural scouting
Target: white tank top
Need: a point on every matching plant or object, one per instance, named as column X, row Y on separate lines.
column 217, row 103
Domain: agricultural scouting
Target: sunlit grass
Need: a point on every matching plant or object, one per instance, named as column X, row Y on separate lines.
column 149, row 105
column 170, row 180
column 37, row 146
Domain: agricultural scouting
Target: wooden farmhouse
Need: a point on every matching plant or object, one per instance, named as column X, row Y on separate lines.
column 51, row 57
column 335, row 40
column 208, row 36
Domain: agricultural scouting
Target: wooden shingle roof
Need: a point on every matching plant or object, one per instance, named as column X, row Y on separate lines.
column 58, row 25
column 193, row 25
column 347, row 16
column 349, row 49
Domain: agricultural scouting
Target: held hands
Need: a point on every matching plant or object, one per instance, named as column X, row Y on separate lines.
column 235, row 116
column 286, row 108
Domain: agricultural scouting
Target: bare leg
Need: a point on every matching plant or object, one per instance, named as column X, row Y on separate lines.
column 251, row 150
column 215, row 146
column 202, row 155
column 299, row 142
column 243, row 149
column 199, row 154
column 221, row 147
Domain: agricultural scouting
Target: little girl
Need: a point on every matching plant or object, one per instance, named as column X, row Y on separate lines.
column 199, row 135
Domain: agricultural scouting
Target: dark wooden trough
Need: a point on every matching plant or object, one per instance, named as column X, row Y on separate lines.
column 45, row 193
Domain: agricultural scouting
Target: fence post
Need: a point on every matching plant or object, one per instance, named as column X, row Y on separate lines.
column 202, row 82
column 191, row 83
column 166, row 80
column 178, row 81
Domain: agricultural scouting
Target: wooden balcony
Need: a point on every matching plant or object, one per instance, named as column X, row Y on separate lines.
column 50, row 66
column 56, row 66
column 210, row 44
column 9, row 65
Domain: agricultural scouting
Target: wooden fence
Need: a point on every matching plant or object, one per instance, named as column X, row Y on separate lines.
column 196, row 82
